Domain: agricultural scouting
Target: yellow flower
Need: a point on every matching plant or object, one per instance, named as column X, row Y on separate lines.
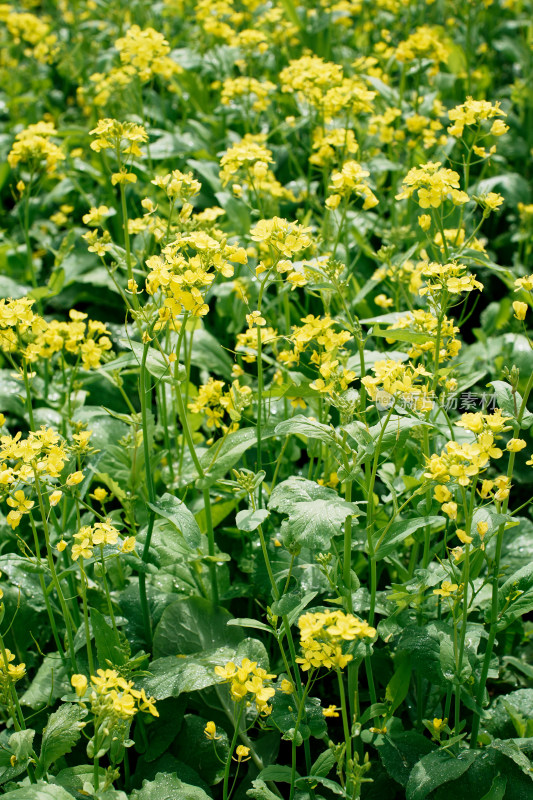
column 450, row 509
column 79, row 682
column 61, row 545
column 55, row 497
column 520, row 309
column 210, row 731
column 463, row 536
column 515, row 445
column 447, row 589
column 74, row 478
column 242, row 753
column 100, row 494
column 330, row 711
column 286, row 686
column 128, row 545
column 255, row 318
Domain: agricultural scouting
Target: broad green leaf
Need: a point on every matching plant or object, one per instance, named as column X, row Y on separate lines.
column 62, row 731
column 497, row 789
column 156, row 364
column 192, row 625
column 197, row 751
column 167, row 727
column 436, row 769
column 177, row 513
column 277, row 773
column 249, row 520
column 285, row 713
column 401, row 751
column 515, row 597
column 260, row 791
column 510, row 749
column 324, row 763
column 402, row 335
column 172, row 675
column 398, row 686
column 51, row 681
column 310, row 428
column 207, row 353
column 396, row 431
column 315, row 513
column 112, row 649
column 510, row 403
column 18, row 745
column 387, row 539
column 219, row 459
column 167, row 786
column 39, row 791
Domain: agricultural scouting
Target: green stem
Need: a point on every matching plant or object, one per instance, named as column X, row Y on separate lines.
column 86, row 618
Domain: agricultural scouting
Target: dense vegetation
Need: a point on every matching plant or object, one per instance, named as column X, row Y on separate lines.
column 265, row 366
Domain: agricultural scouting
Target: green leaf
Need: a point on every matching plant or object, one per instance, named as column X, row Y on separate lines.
column 506, row 401
column 497, row 789
column 176, row 512
column 275, row 772
column 40, row 791
column 324, row 763
column 62, row 731
column 315, row 513
column 221, row 458
column 402, row 335
column 51, row 681
column 510, row 749
column 435, row 769
column 515, row 597
column 19, row 745
column 192, row 625
column 260, row 791
column 200, row 753
column 156, row 364
column 310, row 428
column 249, row 520
column 168, row 787
column 396, row 431
column 285, row 713
column 111, row 649
column 207, row 353
column 398, row 686
column 171, row 676
column 165, row 728
column 401, row 751
column 388, row 538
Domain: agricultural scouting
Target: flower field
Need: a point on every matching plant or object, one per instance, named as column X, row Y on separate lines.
column 266, row 280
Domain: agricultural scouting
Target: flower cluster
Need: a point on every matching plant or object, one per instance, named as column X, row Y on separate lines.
column 324, row 87
column 323, row 636
column 394, row 378
column 350, row 180
column 23, row 331
column 110, row 696
column 424, row 322
column 254, row 93
column 434, row 185
column 147, row 51
column 34, row 149
column 213, row 402
column 460, row 462
column 183, row 278
column 250, row 683
column 98, row 535
column 473, row 112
